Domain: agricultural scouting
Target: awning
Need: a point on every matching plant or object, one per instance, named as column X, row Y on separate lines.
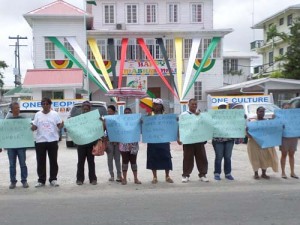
column 18, row 92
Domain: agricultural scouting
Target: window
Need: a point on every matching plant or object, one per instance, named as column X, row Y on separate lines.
column 131, row 13
column 151, row 13
column 49, row 49
column 281, row 21
column 290, row 19
column 281, row 51
column 202, row 49
column 187, row 48
column 198, row 90
column 53, row 94
column 109, row 14
column 118, row 48
column 196, row 13
column 170, row 48
column 230, row 66
column 173, row 13
column 131, row 53
column 271, row 60
column 68, row 47
column 102, row 48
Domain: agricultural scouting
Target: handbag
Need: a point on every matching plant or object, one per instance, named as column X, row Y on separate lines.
column 99, row 148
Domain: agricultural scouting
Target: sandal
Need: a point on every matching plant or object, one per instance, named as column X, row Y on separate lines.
column 256, row 177
column 265, row 176
column 169, row 180
column 124, row 182
column 295, row 176
column 137, row 181
column 284, row 177
column 154, row 181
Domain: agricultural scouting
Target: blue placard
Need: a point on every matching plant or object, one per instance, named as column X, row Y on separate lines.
column 266, row 133
column 291, row 120
column 125, row 128
column 159, row 128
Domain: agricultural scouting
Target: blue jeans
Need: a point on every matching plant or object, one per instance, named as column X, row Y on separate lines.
column 223, row 150
column 13, row 153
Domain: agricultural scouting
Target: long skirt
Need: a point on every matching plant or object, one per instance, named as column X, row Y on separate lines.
column 159, row 156
column 261, row 158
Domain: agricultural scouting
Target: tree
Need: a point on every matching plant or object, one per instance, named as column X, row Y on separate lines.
column 291, row 67
column 3, row 65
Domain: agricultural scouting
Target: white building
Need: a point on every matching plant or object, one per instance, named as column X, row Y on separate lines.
column 171, row 32
column 273, row 48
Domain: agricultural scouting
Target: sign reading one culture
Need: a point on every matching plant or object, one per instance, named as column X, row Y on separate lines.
column 291, row 120
column 159, row 128
column 125, row 128
column 266, row 133
column 85, row 128
column 195, row 128
column 229, row 123
column 16, row 133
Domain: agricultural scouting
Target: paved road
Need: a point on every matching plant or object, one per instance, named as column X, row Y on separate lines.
column 243, row 201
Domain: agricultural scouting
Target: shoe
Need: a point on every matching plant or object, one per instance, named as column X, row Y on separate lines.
column 137, row 181
column 229, row 177
column 12, row 186
column 25, row 185
column 154, row 181
column 204, row 179
column 54, row 183
column 169, row 180
column 265, row 176
column 111, row 179
column 217, row 177
column 294, row 176
column 94, row 182
column 39, row 184
column 124, row 182
column 79, row 182
column 185, row 179
column 119, row 179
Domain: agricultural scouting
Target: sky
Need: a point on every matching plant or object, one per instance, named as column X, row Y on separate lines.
column 239, row 15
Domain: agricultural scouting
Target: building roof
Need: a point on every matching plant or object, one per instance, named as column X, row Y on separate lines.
column 18, row 92
column 240, row 55
column 53, row 78
column 260, row 25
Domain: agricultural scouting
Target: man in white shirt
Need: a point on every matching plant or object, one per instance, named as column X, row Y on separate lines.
column 47, row 124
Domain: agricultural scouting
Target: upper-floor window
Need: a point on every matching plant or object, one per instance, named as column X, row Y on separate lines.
column 170, row 48
column 281, row 21
column 202, row 48
column 109, row 14
column 69, row 47
column 49, row 49
column 173, row 13
column 151, row 13
column 271, row 58
column 131, row 13
column 290, row 19
column 230, row 66
column 281, row 51
column 196, row 13
column 102, row 45
column 198, row 90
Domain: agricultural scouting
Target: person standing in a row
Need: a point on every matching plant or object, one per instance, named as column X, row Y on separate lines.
column 47, row 124
column 13, row 153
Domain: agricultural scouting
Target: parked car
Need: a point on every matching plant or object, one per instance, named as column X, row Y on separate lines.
column 250, row 109
column 295, row 102
column 76, row 110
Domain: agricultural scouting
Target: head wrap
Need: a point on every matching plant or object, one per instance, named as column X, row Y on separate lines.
column 158, row 101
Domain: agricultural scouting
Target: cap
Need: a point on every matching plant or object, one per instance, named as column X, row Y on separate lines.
column 158, row 101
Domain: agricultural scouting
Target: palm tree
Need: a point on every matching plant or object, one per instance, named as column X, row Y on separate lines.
column 3, row 65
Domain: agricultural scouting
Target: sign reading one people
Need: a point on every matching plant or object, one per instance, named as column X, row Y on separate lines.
column 16, row 133
column 159, row 128
column 229, row 123
column 266, row 133
column 124, row 128
column 291, row 120
column 85, row 128
column 195, row 128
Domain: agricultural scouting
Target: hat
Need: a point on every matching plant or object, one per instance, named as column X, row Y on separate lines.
column 222, row 103
column 158, row 101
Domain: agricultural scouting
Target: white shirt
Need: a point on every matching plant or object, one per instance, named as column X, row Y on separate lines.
column 47, row 130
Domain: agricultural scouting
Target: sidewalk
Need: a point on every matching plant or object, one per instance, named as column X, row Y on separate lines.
column 67, row 161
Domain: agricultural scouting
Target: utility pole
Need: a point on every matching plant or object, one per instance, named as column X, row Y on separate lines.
column 17, row 69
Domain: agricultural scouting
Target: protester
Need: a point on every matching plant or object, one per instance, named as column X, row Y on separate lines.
column 85, row 152
column 158, row 154
column 288, row 147
column 13, row 153
column 129, row 153
column 47, row 124
column 113, row 152
column 223, row 149
column 194, row 151
column 261, row 158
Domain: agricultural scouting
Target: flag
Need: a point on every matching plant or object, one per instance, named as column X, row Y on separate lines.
column 91, row 2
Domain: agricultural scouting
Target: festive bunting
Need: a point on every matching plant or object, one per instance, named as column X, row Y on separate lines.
column 59, row 64
column 189, row 70
column 91, row 2
column 95, row 50
column 112, row 57
column 123, row 57
column 208, row 52
column 207, row 66
column 149, row 56
column 83, row 58
column 179, row 62
column 71, row 57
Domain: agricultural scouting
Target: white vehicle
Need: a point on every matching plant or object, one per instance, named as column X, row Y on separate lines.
column 76, row 110
column 250, row 109
column 295, row 102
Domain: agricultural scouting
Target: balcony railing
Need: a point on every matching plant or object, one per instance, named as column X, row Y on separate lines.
column 256, row 44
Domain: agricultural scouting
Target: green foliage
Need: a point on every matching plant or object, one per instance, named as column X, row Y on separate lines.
column 291, row 69
column 277, row 74
column 3, row 65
